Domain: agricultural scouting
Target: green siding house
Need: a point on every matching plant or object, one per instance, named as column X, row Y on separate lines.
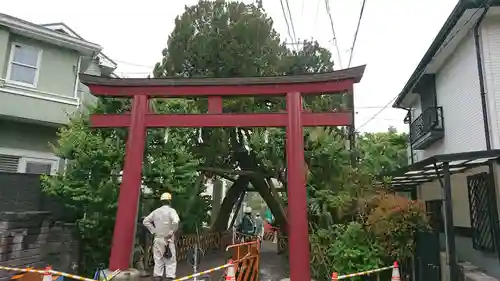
column 39, row 87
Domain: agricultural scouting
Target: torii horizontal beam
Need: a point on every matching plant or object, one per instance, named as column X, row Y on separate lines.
column 222, row 120
column 332, row 82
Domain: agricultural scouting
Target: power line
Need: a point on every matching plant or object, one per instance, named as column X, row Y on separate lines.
column 377, row 114
column 356, row 32
column 133, row 64
column 327, row 6
column 424, row 69
column 286, row 20
column 302, row 8
column 291, row 20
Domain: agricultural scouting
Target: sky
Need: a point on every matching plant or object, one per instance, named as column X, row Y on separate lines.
column 392, row 39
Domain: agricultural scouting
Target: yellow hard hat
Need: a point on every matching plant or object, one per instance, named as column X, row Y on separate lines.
column 166, row 196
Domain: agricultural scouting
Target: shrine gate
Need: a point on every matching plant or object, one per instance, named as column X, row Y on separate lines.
column 294, row 119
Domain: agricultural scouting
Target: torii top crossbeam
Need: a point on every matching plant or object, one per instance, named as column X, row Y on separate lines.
column 294, row 119
column 336, row 82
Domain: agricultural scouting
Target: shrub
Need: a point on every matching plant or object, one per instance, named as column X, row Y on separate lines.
column 393, row 220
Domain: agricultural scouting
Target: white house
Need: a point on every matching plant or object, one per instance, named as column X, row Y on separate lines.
column 453, row 104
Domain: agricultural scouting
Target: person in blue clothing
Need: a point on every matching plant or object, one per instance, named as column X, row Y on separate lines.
column 247, row 224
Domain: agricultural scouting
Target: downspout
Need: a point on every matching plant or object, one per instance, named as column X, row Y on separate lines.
column 484, row 107
column 409, row 135
column 77, row 82
column 482, row 88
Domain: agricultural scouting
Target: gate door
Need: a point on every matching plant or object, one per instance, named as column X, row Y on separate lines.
column 427, row 258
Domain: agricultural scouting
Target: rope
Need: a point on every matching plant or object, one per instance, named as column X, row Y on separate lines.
column 365, row 272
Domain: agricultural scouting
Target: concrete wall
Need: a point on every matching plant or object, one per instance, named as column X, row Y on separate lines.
column 32, row 239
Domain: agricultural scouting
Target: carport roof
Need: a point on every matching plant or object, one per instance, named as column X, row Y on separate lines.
column 428, row 169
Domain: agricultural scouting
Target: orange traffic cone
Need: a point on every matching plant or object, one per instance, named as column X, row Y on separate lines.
column 230, row 273
column 395, row 272
column 335, row 276
column 47, row 275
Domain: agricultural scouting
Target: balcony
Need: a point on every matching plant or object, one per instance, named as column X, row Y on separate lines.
column 427, row 128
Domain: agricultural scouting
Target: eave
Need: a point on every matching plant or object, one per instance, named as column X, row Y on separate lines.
column 442, row 39
column 44, row 34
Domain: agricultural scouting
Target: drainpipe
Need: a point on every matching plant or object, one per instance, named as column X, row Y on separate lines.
column 77, row 81
column 484, row 106
column 409, row 135
column 482, row 88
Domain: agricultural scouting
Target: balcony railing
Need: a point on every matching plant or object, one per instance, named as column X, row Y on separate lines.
column 427, row 128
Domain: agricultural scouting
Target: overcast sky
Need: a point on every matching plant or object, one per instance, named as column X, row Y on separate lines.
column 393, row 37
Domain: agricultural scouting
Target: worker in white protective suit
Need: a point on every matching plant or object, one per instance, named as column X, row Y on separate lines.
column 163, row 223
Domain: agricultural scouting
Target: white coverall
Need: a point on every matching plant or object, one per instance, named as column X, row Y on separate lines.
column 162, row 223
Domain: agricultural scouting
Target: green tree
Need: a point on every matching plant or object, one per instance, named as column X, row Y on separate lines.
column 232, row 39
column 89, row 186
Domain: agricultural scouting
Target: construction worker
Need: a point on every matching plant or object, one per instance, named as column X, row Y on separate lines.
column 246, row 226
column 163, row 223
column 259, row 226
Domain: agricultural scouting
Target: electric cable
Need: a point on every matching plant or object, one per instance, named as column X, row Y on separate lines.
column 328, row 11
column 356, row 32
column 286, row 20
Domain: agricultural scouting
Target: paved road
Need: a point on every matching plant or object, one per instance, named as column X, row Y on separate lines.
column 272, row 266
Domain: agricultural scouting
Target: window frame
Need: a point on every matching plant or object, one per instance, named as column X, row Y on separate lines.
column 12, row 62
column 25, row 160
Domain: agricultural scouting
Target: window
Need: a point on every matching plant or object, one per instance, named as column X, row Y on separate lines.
column 37, row 166
column 24, row 64
column 434, row 210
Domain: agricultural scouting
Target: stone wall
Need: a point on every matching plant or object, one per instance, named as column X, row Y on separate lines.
column 34, row 239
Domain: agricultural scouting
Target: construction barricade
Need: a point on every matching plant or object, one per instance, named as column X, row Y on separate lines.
column 246, row 257
column 395, row 273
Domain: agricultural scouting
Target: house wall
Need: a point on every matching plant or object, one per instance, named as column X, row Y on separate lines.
column 490, row 35
column 53, row 98
column 86, row 98
column 461, row 214
column 4, row 45
column 28, row 142
column 490, row 51
column 461, row 218
column 457, row 90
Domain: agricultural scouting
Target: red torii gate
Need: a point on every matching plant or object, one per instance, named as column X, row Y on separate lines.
column 140, row 118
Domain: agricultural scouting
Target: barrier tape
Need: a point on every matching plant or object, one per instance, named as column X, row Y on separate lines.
column 364, row 272
column 213, row 269
column 41, row 271
column 204, row 272
column 22, row 269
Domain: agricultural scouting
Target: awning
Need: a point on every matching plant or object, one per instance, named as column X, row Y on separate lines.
column 428, row 169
